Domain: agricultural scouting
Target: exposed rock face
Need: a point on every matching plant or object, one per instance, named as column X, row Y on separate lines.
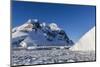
column 86, row 43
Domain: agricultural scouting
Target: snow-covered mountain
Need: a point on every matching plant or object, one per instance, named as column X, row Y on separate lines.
column 34, row 33
column 86, row 43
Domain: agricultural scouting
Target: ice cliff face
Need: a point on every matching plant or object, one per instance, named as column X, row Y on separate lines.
column 34, row 33
column 86, row 43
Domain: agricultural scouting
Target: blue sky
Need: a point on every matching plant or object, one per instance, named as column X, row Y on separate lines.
column 76, row 20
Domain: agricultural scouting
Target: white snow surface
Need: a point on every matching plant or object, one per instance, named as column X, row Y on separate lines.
column 54, row 27
column 86, row 43
column 18, row 34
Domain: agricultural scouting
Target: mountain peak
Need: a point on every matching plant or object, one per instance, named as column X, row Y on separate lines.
column 54, row 27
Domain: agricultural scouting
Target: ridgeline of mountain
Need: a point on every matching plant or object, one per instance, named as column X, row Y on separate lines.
column 34, row 33
column 86, row 43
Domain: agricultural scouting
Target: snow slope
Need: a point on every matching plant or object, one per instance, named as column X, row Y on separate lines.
column 86, row 43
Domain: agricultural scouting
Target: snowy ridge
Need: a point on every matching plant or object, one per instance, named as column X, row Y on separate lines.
column 86, row 43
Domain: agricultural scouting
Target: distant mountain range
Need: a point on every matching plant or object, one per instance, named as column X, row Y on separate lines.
column 33, row 33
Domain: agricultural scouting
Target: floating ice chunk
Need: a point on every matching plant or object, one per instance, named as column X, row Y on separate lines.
column 70, row 60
